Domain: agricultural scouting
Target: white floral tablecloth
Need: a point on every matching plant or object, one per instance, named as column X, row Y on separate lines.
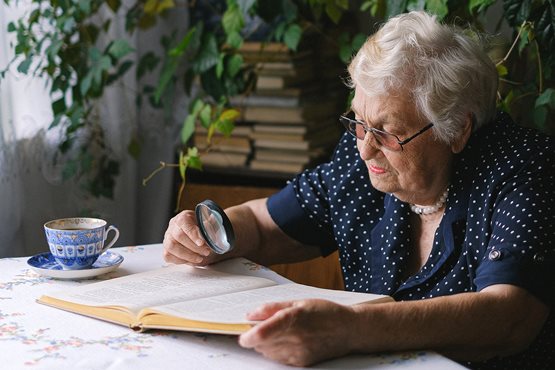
column 34, row 336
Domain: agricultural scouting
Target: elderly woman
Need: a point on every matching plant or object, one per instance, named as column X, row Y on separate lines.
column 456, row 222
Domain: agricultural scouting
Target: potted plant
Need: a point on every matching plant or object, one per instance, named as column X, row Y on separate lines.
column 208, row 63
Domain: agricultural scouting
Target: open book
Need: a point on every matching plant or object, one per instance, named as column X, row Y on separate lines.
column 182, row 297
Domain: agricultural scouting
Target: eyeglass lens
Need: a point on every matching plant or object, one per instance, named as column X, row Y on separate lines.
column 383, row 138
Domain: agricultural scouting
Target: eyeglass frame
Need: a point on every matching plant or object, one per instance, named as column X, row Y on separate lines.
column 346, row 121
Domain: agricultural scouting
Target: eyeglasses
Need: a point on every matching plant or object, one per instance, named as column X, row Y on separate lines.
column 389, row 141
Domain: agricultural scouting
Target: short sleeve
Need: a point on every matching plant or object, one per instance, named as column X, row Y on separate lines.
column 521, row 247
column 301, row 209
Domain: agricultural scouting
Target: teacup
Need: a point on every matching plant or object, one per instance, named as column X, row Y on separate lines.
column 77, row 242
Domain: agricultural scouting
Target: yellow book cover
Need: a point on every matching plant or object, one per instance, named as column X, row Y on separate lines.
column 181, row 297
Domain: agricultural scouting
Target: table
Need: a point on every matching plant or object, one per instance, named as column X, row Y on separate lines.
column 34, row 336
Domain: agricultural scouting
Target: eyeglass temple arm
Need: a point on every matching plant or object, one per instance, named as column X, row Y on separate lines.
column 415, row 135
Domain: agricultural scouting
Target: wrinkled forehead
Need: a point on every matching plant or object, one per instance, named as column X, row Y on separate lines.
column 392, row 103
column 390, row 108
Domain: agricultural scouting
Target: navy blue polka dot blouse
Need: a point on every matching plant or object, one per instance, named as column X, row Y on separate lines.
column 498, row 226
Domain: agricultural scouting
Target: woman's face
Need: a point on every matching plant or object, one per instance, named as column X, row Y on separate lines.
column 417, row 174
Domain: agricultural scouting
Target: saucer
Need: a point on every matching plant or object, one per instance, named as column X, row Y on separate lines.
column 45, row 264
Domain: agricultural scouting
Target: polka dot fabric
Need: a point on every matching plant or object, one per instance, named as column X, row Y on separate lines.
column 498, row 226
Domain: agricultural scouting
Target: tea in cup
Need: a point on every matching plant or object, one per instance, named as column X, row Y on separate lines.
column 77, row 242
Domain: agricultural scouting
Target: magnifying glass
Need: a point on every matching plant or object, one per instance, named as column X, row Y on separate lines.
column 215, row 226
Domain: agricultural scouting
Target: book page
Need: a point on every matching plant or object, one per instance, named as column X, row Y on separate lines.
column 243, row 266
column 158, row 287
column 232, row 308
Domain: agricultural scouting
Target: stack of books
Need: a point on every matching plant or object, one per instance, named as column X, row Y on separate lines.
column 293, row 115
column 224, row 151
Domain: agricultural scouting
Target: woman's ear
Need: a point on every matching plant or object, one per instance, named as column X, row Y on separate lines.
column 458, row 145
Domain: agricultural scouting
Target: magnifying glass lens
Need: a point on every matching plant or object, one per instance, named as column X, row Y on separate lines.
column 215, row 226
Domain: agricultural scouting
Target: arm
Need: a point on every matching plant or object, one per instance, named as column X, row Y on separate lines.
column 261, row 240
column 499, row 320
column 257, row 237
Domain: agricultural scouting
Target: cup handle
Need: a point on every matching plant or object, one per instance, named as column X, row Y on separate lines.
column 114, row 239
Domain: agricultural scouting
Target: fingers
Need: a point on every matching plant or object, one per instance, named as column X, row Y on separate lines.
column 299, row 333
column 274, row 340
column 183, row 228
column 277, row 318
column 267, row 310
column 183, row 242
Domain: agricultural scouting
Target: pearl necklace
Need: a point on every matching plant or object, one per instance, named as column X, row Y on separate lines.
column 426, row 210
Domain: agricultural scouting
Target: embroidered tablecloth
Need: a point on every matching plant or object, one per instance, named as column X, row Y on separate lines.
column 34, row 336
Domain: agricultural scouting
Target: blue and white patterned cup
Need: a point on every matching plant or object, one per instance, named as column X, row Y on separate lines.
column 77, row 242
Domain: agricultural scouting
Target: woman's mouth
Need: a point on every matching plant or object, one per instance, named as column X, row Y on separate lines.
column 376, row 169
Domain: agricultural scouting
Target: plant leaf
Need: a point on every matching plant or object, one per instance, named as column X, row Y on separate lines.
column 540, row 117
column 99, row 64
column 234, row 64
column 479, row 6
column 122, row 69
column 205, row 115
column 85, row 6
column 524, row 39
column 183, row 44
column 192, row 152
column 501, row 70
column 59, row 106
column 53, row 49
column 232, row 20
column 547, row 98
column 292, row 36
column 234, row 40
column 134, row 148
column 544, row 18
column 147, row 63
column 280, row 30
column 197, row 107
column 211, row 130
column 188, row 128
column 208, row 55
column 516, row 11
column 289, row 10
column 114, row 4
column 23, row 67
column 358, row 41
column 168, row 72
column 225, row 126
column 194, row 161
column 333, row 11
column 56, row 121
column 395, row 7
column 416, row 5
column 119, row 48
column 230, row 114
column 154, row 7
column 86, row 83
column 245, row 5
column 220, row 66
column 437, row 7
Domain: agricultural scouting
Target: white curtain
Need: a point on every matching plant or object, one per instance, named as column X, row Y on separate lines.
column 31, row 189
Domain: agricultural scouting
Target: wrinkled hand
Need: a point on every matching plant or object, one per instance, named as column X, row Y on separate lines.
column 183, row 242
column 300, row 333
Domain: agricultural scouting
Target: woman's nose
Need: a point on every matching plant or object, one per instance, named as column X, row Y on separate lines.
column 368, row 147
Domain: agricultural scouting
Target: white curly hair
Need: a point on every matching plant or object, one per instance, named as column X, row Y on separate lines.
column 444, row 69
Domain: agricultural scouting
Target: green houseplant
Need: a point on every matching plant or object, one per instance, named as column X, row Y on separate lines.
column 208, row 64
column 63, row 41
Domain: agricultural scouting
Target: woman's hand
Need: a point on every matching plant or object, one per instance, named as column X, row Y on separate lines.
column 183, row 242
column 300, row 333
